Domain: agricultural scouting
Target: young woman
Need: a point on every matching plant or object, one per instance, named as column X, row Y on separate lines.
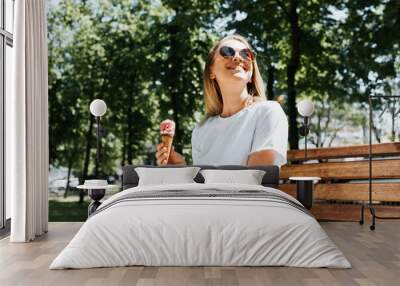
column 241, row 126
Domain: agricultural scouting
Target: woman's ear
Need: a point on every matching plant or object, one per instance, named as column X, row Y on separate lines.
column 212, row 76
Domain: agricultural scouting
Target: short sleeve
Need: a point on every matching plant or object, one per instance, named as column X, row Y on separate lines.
column 271, row 131
column 195, row 146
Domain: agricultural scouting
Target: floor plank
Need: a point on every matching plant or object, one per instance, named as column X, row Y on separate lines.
column 375, row 257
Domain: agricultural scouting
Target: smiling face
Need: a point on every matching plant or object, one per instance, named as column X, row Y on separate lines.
column 233, row 72
column 233, row 69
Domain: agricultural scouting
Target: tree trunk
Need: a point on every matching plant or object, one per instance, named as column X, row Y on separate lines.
column 393, row 117
column 333, row 138
column 327, row 122
column 318, row 131
column 176, row 68
column 293, row 66
column 68, row 176
column 376, row 133
column 365, row 134
column 270, row 82
column 123, row 161
column 131, row 127
column 87, row 157
column 178, row 132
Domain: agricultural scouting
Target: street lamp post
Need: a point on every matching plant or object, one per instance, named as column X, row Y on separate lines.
column 306, row 109
column 98, row 108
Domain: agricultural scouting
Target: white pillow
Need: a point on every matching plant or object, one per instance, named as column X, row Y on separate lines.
column 249, row 177
column 163, row 176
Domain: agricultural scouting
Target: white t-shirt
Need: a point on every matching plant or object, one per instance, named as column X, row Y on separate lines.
column 230, row 140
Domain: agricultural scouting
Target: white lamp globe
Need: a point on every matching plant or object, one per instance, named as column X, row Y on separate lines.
column 305, row 108
column 98, row 107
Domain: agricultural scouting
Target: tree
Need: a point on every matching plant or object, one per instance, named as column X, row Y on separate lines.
column 280, row 37
column 184, row 41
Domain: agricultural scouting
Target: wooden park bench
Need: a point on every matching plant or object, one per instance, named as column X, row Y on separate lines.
column 344, row 185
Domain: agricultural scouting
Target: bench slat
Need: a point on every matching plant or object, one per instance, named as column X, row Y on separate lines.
column 350, row 212
column 385, row 192
column 381, row 169
column 382, row 149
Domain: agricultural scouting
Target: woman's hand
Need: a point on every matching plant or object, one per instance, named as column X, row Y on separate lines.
column 174, row 157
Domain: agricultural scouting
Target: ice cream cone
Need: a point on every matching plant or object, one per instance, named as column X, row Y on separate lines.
column 167, row 131
column 167, row 139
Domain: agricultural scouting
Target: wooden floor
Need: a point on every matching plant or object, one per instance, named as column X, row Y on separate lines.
column 375, row 257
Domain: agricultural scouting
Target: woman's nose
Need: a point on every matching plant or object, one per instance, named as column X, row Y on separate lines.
column 236, row 58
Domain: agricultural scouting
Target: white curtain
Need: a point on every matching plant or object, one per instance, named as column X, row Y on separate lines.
column 27, row 123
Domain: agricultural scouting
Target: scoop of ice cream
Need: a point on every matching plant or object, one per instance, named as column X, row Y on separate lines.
column 167, row 127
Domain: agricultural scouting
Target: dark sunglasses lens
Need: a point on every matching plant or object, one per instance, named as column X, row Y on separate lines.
column 246, row 54
column 227, row 51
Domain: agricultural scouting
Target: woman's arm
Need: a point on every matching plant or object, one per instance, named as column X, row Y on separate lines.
column 264, row 157
column 270, row 140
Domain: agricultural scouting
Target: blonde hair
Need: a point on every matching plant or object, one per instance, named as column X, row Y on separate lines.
column 212, row 94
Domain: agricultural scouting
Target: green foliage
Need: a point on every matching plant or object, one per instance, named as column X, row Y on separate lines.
column 67, row 211
column 348, row 49
column 184, row 41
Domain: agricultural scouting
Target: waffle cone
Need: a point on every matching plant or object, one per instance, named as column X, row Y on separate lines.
column 167, row 139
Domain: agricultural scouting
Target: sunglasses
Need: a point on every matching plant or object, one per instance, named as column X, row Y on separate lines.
column 229, row 52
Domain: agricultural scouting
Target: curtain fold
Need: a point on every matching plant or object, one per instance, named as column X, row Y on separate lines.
column 28, row 123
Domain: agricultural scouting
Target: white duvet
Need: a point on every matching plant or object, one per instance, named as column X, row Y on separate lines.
column 200, row 231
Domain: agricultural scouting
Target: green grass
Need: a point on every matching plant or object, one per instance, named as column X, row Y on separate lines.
column 67, row 211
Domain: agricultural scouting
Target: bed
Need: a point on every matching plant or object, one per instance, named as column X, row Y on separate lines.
column 201, row 224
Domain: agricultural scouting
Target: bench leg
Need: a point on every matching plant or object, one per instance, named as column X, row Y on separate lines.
column 362, row 215
column 372, row 210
